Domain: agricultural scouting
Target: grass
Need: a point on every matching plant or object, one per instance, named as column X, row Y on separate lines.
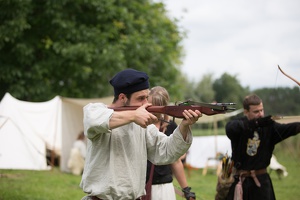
column 53, row 184
column 39, row 185
column 208, row 132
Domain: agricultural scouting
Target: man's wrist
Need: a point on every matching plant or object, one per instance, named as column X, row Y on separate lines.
column 188, row 194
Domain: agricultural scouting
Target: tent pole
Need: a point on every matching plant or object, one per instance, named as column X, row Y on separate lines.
column 52, row 159
column 216, row 134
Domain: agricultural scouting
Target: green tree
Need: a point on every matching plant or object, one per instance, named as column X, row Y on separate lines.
column 280, row 101
column 72, row 48
column 201, row 91
column 204, row 89
column 189, row 90
column 229, row 89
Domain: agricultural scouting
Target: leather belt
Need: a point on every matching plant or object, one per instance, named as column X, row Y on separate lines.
column 252, row 173
column 249, row 172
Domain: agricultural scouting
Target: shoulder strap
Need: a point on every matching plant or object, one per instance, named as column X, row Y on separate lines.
column 149, row 184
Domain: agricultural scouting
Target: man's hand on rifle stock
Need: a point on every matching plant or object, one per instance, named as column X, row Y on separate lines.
column 190, row 117
column 142, row 117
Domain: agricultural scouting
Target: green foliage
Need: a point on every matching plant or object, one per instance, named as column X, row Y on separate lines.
column 229, row 89
column 205, row 90
column 201, row 91
column 73, row 48
column 280, row 101
column 199, row 130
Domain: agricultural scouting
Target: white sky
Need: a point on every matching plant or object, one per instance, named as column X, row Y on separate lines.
column 246, row 38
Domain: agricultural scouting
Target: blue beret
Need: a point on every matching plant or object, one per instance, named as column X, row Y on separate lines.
column 129, row 81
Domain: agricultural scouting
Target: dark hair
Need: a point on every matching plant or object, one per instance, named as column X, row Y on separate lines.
column 252, row 99
column 128, row 96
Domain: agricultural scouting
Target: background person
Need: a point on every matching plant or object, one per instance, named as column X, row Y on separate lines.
column 119, row 143
column 253, row 139
column 77, row 155
column 162, row 177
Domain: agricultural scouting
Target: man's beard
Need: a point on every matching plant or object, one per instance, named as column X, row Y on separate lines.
column 127, row 103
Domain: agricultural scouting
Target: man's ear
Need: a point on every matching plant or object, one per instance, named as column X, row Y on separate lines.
column 122, row 98
column 246, row 112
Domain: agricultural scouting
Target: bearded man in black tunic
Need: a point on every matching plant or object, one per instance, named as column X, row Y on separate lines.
column 253, row 139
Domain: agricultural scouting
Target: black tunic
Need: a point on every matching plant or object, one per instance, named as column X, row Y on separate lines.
column 252, row 149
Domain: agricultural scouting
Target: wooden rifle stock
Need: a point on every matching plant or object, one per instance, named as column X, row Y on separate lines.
column 176, row 111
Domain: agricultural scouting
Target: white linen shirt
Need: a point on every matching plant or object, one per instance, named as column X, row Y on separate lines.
column 116, row 160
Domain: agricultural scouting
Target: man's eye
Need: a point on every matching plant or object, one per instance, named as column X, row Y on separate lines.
column 142, row 98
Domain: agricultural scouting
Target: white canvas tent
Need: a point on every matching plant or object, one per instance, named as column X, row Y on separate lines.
column 27, row 129
column 205, row 147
